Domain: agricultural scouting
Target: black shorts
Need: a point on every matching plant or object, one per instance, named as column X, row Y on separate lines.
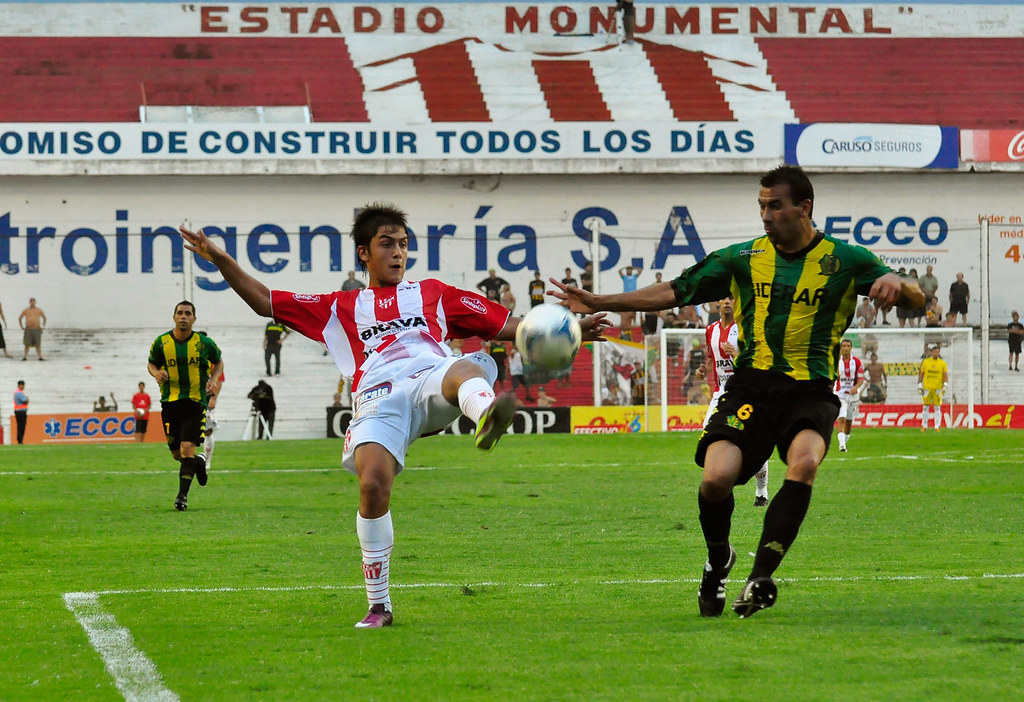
column 1014, row 344
column 958, row 307
column 184, row 420
column 141, row 425
column 762, row 410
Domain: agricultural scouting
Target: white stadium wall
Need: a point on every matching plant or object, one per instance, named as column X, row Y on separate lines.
column 100, row 251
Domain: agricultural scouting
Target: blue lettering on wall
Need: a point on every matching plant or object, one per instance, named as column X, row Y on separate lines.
column 679, row 220
column 579, row 228
column 306, row 236
column 229, row 242
column 434, row 235
column 67, row 251
column 149, row 235
column 528, row 249
column 255, row 248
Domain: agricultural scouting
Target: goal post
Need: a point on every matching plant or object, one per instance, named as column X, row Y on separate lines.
column 671, row 362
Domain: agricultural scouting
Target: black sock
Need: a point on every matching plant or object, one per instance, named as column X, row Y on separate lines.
column 185, row 473
column 781, row 525
column 715, row 521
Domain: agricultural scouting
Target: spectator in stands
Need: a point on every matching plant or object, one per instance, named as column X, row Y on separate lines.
column 587, row 277
column 629, row 275
column 959, row 299
column 350, row 284
column 33, row 321
column 689, row 319
column 491, row 286
column 876, row 379
column 536, row 290
column 657, row 278
column 916, row 317
column 628, row 19
column 933, row 313
column 336, row 400
column 262, row 396
column 101, row 405
column 866, row 314
column 652, row 322
column 543, row 399
column 671, row 320
column 20, row 411
column 568, row 279
column 499, row 352
column 3, row 342
column 141, row 404
column 507, row 299
column 515, row 372
column 929, row 285
column 273, row 337
column 1014, row 335
column 637, row 384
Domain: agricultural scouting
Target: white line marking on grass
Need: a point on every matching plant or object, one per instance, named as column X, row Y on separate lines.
column 164, row 472
column 487, row 583
column 134, row 674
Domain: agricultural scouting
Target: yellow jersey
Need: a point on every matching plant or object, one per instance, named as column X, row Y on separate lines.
column 933, row 370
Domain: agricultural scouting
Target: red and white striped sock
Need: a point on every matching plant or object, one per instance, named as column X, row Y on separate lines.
column 376, row 539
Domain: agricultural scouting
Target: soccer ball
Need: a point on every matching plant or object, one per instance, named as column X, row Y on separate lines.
column 549, row 336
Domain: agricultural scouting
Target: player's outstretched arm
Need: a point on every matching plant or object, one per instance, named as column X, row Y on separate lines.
column 253, row 292
column 659, row 296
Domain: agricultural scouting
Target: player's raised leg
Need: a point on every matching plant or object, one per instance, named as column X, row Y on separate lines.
column 376, row 468
column 468, row 386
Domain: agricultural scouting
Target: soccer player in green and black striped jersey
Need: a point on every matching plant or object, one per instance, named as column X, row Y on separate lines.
column 796, row 291
column 188, row 365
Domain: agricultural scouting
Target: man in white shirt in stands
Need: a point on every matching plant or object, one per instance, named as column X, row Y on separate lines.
column 849, row 380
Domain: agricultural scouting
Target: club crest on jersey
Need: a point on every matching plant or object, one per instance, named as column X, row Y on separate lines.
column 303, row 297
column 829, row 264
column 385, row 302
column 474, row 304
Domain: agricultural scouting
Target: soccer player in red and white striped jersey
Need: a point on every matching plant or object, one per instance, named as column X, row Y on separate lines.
column 722, row 338
column 391, row 338
column 849, row 380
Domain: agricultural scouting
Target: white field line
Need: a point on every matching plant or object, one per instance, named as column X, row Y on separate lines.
column 134, row 674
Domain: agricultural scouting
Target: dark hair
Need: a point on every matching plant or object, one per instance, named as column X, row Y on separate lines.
column 186, row 302
column 371, row 218
column 800, row 187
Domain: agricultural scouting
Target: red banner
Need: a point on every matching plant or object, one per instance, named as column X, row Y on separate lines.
column 992, row 144
column 953, row 416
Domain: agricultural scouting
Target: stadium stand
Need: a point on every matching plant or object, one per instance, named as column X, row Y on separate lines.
column 954, row 81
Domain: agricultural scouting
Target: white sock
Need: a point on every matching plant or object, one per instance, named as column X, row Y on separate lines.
column 475, row 395
column 376, row 539
column 842, row 439
column 761, row 482
column 938, row 417
column 208, row 443
column 924, row 416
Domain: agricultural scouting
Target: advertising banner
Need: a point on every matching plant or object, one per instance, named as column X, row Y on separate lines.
column 528, row 420
column 872, row 145
column 338, row 419
column 366, row 142
column 992, row 145
column 87, row 428
column 953, row 416
column 627, row 420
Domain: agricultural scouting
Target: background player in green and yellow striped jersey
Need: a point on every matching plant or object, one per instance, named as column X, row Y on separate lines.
column 188, row 365
column 795, row 291
column 932, row 379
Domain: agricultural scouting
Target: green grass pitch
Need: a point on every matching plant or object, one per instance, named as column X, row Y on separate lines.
column 555, row 568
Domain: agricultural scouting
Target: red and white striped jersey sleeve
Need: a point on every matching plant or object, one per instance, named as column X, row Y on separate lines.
column 305, row 313
column 469, row 314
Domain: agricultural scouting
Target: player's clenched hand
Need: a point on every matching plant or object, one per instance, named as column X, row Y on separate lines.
column 199, row 243
column 594, row 326
column 886, row 291
column 580, row 300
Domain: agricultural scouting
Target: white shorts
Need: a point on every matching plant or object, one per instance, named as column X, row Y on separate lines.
column 848, row 406
column 401, row 401
column 713, row 405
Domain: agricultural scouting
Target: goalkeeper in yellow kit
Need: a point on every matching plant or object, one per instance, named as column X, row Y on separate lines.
column 932, row 381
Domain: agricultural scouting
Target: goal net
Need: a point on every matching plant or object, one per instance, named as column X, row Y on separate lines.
column 676, row 398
